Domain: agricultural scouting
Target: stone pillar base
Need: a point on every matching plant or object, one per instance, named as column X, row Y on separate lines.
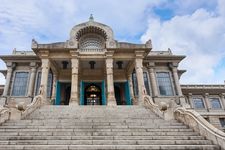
column 46, row 102
column 73, row 103
column 111, row 102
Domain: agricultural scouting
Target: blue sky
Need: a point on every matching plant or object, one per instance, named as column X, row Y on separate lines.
column 188, row 27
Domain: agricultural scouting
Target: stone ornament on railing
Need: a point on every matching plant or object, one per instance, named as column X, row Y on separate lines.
column 4, row 114
column 194, row 120
column 36, row 103
column 148, row 102
column 19, row 111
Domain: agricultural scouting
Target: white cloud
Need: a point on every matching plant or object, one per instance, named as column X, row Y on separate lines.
column 200, row 36
column 51, row 21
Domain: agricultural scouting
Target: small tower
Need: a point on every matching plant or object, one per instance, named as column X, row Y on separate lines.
column 91, row 18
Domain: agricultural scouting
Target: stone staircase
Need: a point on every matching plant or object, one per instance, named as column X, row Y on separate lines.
column 98, row 127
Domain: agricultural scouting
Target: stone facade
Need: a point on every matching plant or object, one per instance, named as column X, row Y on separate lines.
column 92, row 68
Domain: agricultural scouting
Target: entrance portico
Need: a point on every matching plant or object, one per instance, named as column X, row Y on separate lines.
column 92, row 56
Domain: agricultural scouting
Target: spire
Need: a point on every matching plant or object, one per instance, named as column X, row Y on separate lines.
column 91, row 18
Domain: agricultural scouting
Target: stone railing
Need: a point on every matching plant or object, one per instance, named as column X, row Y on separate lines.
column 148, row 103
column 36, row 103
column 190, row 118
column 4, row 114
column 19, row 112
column 194, row 120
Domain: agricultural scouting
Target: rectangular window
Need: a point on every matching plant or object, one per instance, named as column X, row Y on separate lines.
column 146, row 82
column 164, row 84
column 222, row 122
column 20, row 84
column 215, row 103
column 198, row 103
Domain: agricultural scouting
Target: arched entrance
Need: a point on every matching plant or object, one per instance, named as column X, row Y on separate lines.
column 92, row 95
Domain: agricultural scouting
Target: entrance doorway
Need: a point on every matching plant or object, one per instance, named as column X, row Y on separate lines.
column 122, row 93
column 63, row 93
column 92, row 95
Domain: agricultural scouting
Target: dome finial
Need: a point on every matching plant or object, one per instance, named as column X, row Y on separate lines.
column 91, row 18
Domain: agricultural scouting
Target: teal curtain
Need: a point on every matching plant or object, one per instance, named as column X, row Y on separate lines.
column 58, row 93
column 81, row 93
column 103, row 93
column 127, row 93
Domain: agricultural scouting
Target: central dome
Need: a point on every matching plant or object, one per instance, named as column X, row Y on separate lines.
column 91, row 35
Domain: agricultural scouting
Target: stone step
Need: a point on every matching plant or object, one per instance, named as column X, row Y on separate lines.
column 165, row 137
column 105, row 142
column 101, row 127
column 86, row 133
column 91, row 130
column 109, row 147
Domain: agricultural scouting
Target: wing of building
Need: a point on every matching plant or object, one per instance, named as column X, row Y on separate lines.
column 92, row 68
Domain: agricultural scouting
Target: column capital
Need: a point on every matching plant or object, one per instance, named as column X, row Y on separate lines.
column 173, row 65
column 190, row 94
column 139, row 54
column 109, row 54
column 74, row 54
column 11, row 65
column 222, row 94
column 33, row 64
column 44, row 54
column 150, row 65
column 206, row 95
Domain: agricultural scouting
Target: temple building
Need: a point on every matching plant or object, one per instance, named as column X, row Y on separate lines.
column 93, row 68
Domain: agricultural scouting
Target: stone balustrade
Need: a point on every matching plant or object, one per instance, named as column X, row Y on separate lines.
column 194, row 120
column 190, row 118
column 19, row 112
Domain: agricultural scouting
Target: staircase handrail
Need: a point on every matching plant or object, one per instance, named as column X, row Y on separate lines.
column 36, row 103
column 148, row 103
column 4, row 114
column 194, row 120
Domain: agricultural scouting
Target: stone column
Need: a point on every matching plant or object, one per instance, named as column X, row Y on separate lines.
column 176, row 80
column 44, row 78
column 190, row 100
column 54, row 86
column 10, row 67
column 74, row 100
column 153, row 80
column 222, row 100
column 131, row 85
column 207, row 103
column 111, row 101
column 32, row 79
column 140, row 80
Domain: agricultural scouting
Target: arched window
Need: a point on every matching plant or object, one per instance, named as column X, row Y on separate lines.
column 91, row 42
